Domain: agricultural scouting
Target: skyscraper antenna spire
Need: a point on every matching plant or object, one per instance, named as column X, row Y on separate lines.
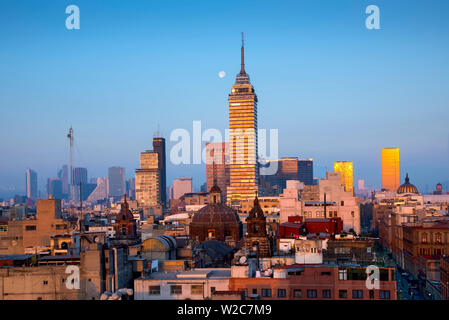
column 242, row 69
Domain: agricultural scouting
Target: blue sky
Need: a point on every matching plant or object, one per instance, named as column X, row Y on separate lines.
column 334, row 89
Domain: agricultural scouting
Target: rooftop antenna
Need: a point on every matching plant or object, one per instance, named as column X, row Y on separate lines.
column 242, row 68
column 70, row 136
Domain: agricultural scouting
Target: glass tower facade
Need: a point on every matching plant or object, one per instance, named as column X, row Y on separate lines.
column 391, row 169
column 346, row 172
column 244, row 170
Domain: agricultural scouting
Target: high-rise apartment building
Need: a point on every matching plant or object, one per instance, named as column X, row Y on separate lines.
column 244, row 170
column 182, row 186
column 159, row 148
column 117, row 185
column 31, row 184
column 217, row 166
column 346, row 171
column 148, row 186
column 391, row 169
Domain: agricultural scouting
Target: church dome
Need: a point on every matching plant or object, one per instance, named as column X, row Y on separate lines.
column 215, row 221
column 407, row 187
column 215, row 214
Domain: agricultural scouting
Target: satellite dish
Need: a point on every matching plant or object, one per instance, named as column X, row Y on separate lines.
column 242, row 259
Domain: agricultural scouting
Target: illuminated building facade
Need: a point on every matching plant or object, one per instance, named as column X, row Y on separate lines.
column 391, row 173
column 148, row 180
column 346, row 171
column 217, row 166
column 244, row 171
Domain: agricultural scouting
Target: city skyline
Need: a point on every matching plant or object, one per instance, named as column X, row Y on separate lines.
column 292, row 62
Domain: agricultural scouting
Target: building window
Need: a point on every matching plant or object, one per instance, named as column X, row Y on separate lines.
column 342, row 294
column 297, row 293
column 371, row 294
column 311, row 293
column 438, row 238
column 154, row 290
column 212, row 289
column 266, row 292
column 342, row 274
column 196, row 289
column 384, row 294
column 424, row 238
column 357, row 294
column 175, row 290
column 254, row 291
column 326, row 294
column 281, row 293
column 30, row 228
column 45, row 282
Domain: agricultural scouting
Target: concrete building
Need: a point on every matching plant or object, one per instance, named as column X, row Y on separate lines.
column 195, row 284
column 217, row 166
column 148, row 186
column 34, row 231
column 182, row 186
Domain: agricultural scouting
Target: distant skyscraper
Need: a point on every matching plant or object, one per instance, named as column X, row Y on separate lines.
column 217, row 166
column 54, row 188
column 244, row 169
column 391, row 169
column 79, row 176
column 117, row 185
column 182, row 186
column 159, row 148
column 305, row 171
column 131, row 185
column 361, row 185
column 148, row 186
column 31, row 184
column 63, row 174
column 345, row 168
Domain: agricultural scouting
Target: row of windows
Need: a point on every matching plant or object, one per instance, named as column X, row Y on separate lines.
column 195, row 289
column 326, row 293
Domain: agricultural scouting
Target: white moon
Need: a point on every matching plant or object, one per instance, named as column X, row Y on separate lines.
column 222, row 74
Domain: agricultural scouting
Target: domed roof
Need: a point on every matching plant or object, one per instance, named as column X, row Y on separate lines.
column 407, row 187
column 215, row 214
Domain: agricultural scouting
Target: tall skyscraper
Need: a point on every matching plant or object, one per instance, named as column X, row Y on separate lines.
column 182, row 186
column 63, row 174
column 54, row 188
column 131, row 188
column 305, row 171
column 159, row 148
column 31, row 184
column 148, row 186
column 217, row 166
column 117, row 185
column 244, row 169
column 345, row 168
column 79, row 176
column 391, row 169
